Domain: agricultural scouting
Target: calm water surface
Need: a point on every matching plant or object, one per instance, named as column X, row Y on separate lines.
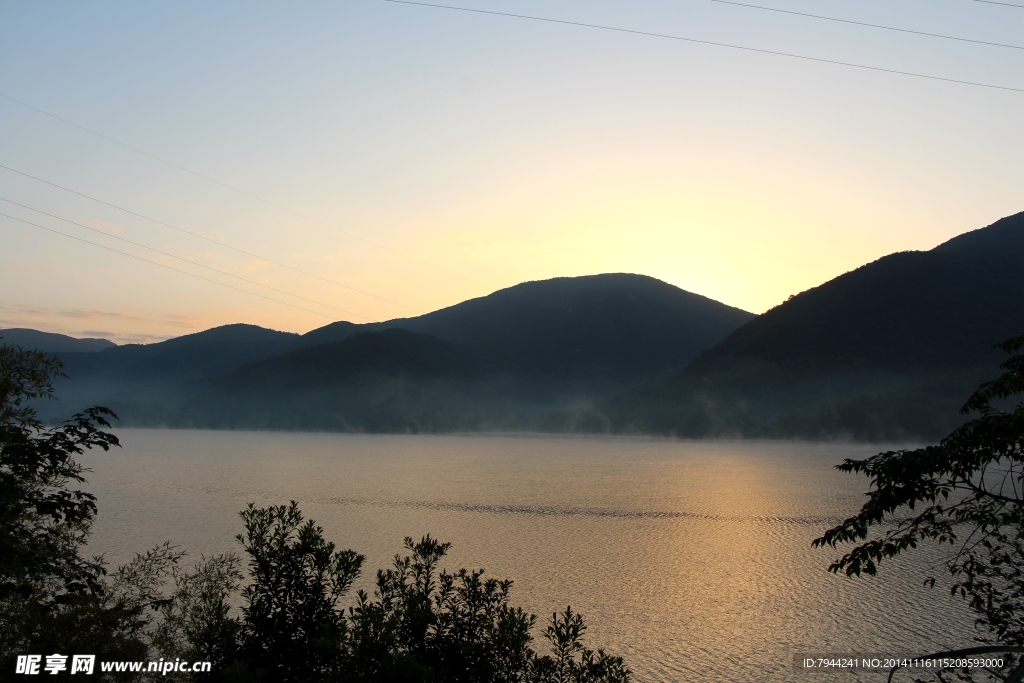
column 691, row 559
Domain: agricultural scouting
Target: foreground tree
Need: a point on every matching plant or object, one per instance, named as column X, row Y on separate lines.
column 52, row 598
column 292, row 627
column 426, row 624
column 967, row 491
column 422, row 623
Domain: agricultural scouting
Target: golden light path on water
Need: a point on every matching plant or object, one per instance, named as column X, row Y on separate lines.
column 693, row 560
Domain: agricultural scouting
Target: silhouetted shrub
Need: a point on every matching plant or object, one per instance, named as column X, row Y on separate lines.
column 421, row 624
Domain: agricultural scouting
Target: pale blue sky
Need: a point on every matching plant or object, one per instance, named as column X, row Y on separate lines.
column 496, row 150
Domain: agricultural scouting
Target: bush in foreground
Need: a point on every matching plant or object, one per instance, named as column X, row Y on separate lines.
column 280, row 621
column 421, row 623
column 52, row 597
column 967, row 491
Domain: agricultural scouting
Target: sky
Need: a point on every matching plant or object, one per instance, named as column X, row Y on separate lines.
column 367, row 160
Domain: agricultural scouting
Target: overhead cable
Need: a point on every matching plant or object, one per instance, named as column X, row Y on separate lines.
column 710, row 42
column 181, row 258
column 228, row 246
column 861, row 23
column 1005, row 4
column 163, row 265
column 208, row 239
column 235, row 189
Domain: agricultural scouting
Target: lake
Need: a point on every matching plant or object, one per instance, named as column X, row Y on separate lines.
column 693, row 560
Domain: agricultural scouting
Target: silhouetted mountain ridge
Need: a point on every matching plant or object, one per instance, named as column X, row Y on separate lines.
column 51, row 342
column 948, row 305
column 547, row 344
column 613, row 324
column 888, row 350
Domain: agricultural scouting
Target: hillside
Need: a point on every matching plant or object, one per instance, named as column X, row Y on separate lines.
column 555, row 343
column 146, row 381
column 617, row 325
column 51, row 342
column 388, row 381
column 889, row 350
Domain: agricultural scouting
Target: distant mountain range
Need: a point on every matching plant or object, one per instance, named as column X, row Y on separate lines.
column 890, row 350
column 497, row 362
column 51, row 342
column 887, row 351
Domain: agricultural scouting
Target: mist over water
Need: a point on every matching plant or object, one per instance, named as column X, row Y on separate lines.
column 693, row 560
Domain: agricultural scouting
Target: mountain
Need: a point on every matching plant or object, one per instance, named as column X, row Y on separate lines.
column 145, row 381
column 547, row 345
column 202, row 354
column 889, row 350
column 51, row 342
column 617, row 325
column 388, row 381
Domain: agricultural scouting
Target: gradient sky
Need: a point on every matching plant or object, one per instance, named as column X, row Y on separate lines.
column 481, row 151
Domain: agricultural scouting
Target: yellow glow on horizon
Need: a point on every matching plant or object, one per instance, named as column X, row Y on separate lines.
column 726, row 228
column 740, row 235
column 744, row 241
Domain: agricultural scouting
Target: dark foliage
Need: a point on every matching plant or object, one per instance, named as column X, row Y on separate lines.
column 51, row 597
column 422, row 623
column 967, row 491
column 292, row 626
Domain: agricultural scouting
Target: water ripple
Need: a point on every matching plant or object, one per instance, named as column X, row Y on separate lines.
column 495, row 509
column 559, row 511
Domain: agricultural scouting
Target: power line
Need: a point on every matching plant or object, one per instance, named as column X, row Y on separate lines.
column 861, row 23
column 208, row 239
column 500, row 357
column 223, row 244
column 1005, row 4
column 180, row 258
column 709, row 42
column 162, row 265
column 235, row 189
